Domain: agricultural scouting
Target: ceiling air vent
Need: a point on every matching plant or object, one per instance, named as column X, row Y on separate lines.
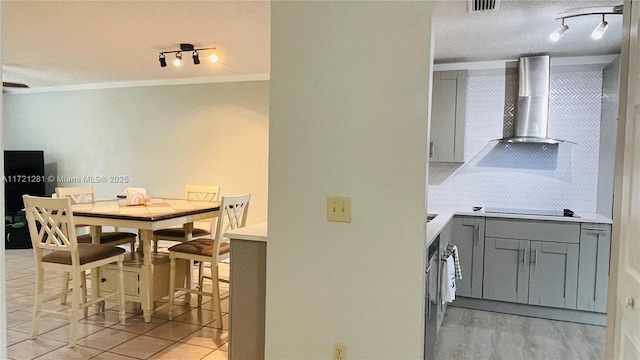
column 483, row 5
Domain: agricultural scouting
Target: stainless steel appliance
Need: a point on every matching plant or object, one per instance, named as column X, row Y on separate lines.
column 533, row 102
column 432, row 292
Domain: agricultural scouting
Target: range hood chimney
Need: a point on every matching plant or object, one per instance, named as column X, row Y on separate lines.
column 533, row 102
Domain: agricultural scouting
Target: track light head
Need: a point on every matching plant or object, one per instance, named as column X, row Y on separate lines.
column 599, row 31
column 196, row 57
column 178, row 60
column 560, row 32
column 163, row 61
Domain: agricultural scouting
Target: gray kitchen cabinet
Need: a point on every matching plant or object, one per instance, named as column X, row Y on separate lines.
column 445, row 240
column 593, row 269
column 553, row 274
column 531, row 262
column 506, row 271
column 447, row 116
column 468, row 235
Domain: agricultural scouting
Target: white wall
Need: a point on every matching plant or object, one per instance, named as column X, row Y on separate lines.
column 161, row 137
column 348, row 117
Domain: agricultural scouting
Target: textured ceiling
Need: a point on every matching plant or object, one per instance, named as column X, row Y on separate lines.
column 518, row 28
column 56, row 43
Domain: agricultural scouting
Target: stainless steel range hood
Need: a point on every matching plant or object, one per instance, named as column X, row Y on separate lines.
column 533, row 102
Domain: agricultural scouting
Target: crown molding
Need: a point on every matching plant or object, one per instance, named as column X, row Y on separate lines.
column 141, row 83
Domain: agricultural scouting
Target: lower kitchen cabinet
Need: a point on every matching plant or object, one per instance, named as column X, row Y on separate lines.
column 593, row 271
column 468, row 235
column 506, row 272
column 529, row 266
column 533, row 265
column 553, row 274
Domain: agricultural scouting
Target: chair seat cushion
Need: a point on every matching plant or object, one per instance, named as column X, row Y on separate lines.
column 109, row 237
column 179, row 233
column 87, row 253
column 200, row 247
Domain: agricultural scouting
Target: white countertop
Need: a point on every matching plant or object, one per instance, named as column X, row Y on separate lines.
column 257, row 232
column 446, row 213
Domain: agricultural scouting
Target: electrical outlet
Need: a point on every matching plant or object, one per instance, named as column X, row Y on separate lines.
column 339, row 209
column 339, row 351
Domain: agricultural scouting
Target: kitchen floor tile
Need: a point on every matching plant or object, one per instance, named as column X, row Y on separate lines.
column 136, row 324
column 17, row 317
column 197, row 316
column 106, row 319
column 62, row 333
column 112, row 356
column 207, row 337
column 30, row 349
column 225, row 323
column 173, row 330
column 142, row 347
column 46, row 324
column 14, row 337
column 67, row 353
column 217, row 355
column 182, row 351
column 106, row 339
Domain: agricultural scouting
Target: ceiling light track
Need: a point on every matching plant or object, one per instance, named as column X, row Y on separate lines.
column 600, row 29
column 185, row 48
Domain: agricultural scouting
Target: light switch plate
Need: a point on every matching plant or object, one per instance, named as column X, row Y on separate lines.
column 339, row 209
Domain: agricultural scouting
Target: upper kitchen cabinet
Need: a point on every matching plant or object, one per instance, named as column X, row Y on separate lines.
column 447, row 116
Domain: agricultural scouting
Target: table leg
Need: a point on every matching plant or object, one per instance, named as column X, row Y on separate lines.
column 95, row 232
column 146, row 276
column 188, row 235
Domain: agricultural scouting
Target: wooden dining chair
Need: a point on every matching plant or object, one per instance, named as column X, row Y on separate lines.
column 177, row 234
column 56, row 247
column 233, row 215
column 85, row 194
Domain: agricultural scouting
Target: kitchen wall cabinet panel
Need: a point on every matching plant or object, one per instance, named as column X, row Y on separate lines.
column 447, row 116
column 553, row 274
column 468, row 235
column 593, row 270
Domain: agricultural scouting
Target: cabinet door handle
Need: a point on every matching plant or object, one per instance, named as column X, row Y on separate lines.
column 524, row 256
column 594, row 229
column 534, row 261
column 476, row 234
column 431, row 149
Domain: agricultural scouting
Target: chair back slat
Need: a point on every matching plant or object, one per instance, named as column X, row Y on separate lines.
column 202, row 192
column 50, row 221
column 78, row 195
column 233, row 215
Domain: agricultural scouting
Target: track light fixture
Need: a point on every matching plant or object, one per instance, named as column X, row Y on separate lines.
column 556, row 35
column 598, row 32
column 178, row 59
column 185, row 48
column 196, row 57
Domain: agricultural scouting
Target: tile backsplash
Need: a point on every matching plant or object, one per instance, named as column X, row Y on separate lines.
column 529, row 176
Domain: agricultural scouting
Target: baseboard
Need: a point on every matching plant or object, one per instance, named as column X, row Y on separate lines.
column 578, row 316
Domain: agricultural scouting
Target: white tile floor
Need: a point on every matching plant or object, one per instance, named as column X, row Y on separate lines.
column 193, row 334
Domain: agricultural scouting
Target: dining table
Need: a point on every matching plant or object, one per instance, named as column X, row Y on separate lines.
column 155, row 214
